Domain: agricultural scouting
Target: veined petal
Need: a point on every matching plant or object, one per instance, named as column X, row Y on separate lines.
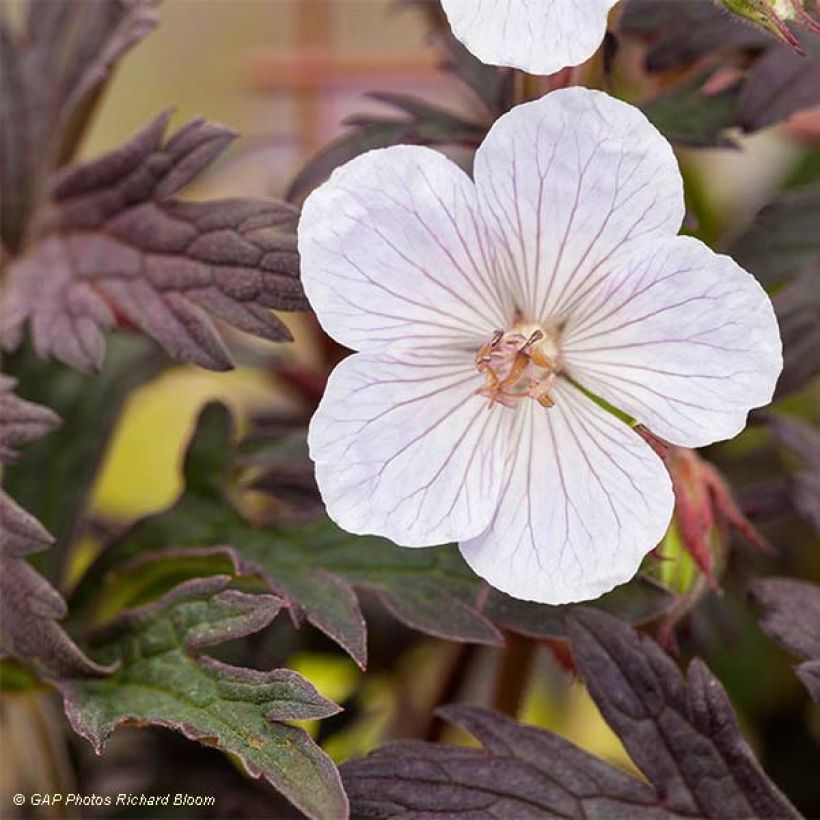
column 392, row 253
column 533, row 35
column 568, row 183
column 405, row 449
column 584, row 499
column 681, row 338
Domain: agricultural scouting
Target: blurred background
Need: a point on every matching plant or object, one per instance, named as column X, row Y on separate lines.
column 285, row 74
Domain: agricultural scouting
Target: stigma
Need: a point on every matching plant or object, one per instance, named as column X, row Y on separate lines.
column 519, row 363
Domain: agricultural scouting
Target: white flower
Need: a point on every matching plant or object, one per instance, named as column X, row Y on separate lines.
column 538, row 36
column 485, row 314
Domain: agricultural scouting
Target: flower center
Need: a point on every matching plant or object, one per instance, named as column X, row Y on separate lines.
column 519, row 363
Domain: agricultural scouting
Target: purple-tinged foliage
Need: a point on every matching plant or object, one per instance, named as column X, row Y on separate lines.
column 797, row 305
column 684, row 33
column 521, row 772
column 791, row 616
column 317, row 567
column 20, row 421
column 682, row 734
column 781, row 241
column 417, row 123
column 804, row 442
column 117, row 248
column 162, row 679
column 52, row 72
column 29, row 605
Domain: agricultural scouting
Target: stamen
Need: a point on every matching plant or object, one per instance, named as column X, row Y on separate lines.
column 518, row 363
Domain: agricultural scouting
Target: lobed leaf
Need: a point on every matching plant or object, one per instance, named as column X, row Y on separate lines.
column 521, row 772
column 89, row 407
column 52, row 71
column 29, row 606
column 20, row 421
column 683, row 735
column 791, row 616
column 163, row 679
column 117, row 249
column 317, row 567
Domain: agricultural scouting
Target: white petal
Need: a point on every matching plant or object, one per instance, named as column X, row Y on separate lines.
column 405, row 449
column 566, row 184
column 679, row 337
column 534, row 35
column 391, row 254
column 584, row 499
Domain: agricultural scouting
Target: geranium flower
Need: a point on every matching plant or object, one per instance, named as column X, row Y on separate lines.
column 538, row 36
column 497, row 320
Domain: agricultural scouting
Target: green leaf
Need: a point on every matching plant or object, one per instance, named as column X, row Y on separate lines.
column 164, row 680
column 687, row 116
column 317, row 567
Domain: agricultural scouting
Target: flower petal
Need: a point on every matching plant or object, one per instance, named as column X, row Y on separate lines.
column 532, row 35
column 391, row 253
column 566, row 184
column 405, row 449
column 679, row 337
column 584, row 499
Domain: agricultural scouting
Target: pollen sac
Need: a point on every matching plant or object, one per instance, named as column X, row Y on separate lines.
column 519, row 363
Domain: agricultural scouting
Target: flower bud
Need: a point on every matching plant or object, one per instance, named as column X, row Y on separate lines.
column 694, row 553
column 774, row 16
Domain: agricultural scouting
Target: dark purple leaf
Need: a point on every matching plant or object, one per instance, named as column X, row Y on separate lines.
column 51, row 73
column 782, row 241
column 804, row 441
column 682, row 32
column 521, row 772
column 797, row 305
column 29, row 605
column 791, row 616
column 683, row 734
column 780, row 83
column 20, row 421
column 163, row 679
column 118, row 249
